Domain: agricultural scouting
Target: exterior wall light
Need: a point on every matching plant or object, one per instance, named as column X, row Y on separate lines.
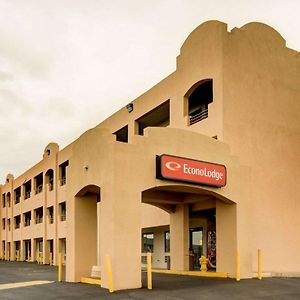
column 129, row 107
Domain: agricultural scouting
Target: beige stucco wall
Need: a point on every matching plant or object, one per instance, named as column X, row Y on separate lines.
column 122, row 177
column 261, row 124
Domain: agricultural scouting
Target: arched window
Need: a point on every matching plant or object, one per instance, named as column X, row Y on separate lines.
column 198, row 98
column 49, row 178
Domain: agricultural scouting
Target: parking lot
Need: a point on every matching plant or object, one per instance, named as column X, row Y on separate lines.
column 165, row 286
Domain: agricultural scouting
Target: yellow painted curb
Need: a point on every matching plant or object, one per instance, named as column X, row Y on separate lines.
column 192, row 273
column 90, row 280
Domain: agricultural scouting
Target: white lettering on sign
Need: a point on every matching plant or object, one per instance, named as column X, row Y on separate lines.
column 202, row 172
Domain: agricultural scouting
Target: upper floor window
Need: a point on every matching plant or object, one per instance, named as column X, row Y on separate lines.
column 3, row 223
column 63, row 211
column 198, row 98
column 17, row 221
column 50, row 214
column 63, row 172
column 27, row 189
column 38, row 183
column 8, row 199
column 38, row 215
column 49, row 179
column 17, row 193
column 122, row 134
column 27, row 218
column 157, row 117
column 3, row 200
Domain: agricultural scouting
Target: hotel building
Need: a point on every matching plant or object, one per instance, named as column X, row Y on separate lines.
column 204, row 163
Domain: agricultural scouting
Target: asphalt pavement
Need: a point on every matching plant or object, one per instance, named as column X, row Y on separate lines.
column 164, row 287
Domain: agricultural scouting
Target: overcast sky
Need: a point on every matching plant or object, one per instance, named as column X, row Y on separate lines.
column 67, row 65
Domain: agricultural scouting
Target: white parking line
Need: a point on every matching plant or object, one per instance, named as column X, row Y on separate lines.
column 23, row 284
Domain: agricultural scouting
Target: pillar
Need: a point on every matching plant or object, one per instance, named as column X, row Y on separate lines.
column 120, row 228
column 179, row 238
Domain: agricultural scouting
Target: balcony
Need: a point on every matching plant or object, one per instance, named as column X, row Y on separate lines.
column 198, row 116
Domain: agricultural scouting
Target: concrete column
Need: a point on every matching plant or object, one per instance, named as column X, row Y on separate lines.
column 22, row 251
column 33, row 250
column 120, row 227
column 98, row 233
column 226, row 235
column 179, row 238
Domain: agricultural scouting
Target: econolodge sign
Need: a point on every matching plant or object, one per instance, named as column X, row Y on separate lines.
column 190, row 170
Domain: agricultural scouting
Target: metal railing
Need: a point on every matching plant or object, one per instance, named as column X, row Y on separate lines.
column 63, row 217
column 63, row 181
column 201, row 115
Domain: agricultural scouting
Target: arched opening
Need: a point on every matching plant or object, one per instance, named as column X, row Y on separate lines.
column 49, row 179
column 87, row 241
column 197, row 99
column 195, row 215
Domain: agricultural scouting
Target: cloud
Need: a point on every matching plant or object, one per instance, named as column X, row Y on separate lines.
column 22, row 56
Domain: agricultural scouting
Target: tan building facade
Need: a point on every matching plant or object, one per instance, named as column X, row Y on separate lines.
column 204, row 163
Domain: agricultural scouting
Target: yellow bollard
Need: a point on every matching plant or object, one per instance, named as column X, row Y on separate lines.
column 60, row 267
column 50, row 259
column 109, row 274
column 39, row 260
column 149, row 271
column 259, row 267
column 238, row 266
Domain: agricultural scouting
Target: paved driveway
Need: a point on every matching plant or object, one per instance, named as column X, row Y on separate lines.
column 164, row 287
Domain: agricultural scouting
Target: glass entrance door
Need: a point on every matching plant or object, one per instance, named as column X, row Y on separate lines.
column 196, row 247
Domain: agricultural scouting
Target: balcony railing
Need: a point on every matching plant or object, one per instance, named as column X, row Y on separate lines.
column 63, row 217
column 63, row 180
column 201, row 115
column 17, row 225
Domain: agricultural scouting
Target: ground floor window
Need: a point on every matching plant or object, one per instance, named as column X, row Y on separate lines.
column 167, row 241
column 148, row 242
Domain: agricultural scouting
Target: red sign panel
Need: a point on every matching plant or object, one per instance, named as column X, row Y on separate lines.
column 190, row 170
